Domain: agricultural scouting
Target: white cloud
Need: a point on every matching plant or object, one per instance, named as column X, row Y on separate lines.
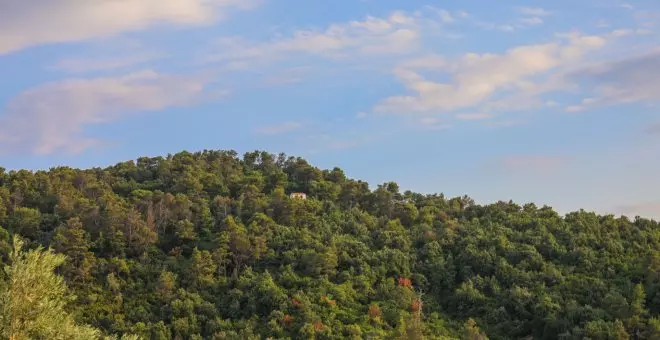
column 28, row 23
column 532, row 21
column 288, row 76
column 585, row 102
column 433, row 123
column 279, row 128
column 496, row 27
column 627, row 32
column 534, row 11
column 53, row 117
column 429, row 120
column 602, row 23
column 482, row 79
column 574, row 108
column 373, row 43
column 396, row 34
column 530, row 16
column 426, row 62
column 445, row 15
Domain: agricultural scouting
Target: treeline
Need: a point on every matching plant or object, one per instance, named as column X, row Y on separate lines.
column 209, row 245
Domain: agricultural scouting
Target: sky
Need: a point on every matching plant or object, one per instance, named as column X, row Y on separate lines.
column 554, row 103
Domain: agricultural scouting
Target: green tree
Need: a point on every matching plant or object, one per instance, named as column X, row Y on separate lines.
column 25, row 221
column 638, row 313
column 203, row 267
column 472, row 332
column 653, row 329
column 33, row 299
column 71, row 240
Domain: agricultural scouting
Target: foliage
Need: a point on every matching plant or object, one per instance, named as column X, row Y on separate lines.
column 33, row 298
column 209, row 245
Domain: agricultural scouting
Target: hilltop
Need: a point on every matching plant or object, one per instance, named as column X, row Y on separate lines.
column 212, row 245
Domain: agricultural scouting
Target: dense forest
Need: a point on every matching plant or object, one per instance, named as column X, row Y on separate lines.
column 210, row 245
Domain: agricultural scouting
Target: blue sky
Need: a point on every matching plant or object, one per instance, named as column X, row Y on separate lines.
column 548, row 102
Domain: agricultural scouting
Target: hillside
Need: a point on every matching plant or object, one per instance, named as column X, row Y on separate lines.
column 210, row 245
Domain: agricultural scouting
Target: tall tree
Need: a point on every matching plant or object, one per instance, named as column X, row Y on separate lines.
column 71, row 240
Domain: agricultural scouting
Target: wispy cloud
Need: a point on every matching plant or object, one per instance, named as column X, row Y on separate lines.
column 446, row 16
column 85, row 65
column 534, row 11
column 496, row 27
column 279, row 128
column 28, row 23
column 372, row 42
column 425, row 62
column 602, row 23
column 528, row 17
column 433, row 123
column 532, row 21
column 397, row 34
column 476, row 79
column 287, row 76
column 630, row 80
column 53, row 117
column 477, row 83
column 504, row 123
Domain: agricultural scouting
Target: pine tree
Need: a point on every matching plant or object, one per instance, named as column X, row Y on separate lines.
column 71, row 240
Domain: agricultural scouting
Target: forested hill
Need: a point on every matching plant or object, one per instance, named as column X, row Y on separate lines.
column 209, row 245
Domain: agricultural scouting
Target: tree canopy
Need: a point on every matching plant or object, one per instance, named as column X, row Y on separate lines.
column 210, row 245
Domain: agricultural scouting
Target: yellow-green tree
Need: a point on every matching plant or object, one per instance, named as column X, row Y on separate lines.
column 33, row 298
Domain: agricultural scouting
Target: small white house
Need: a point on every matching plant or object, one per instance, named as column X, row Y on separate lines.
column 298, row 195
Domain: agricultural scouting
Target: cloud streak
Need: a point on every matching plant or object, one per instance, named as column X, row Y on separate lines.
column 468, row 86
column 371, row 43
column 53, row 117
column 529, row 17
column 288, row 76
column 28, row 23
column 534, row 11
column 397, row 34
column 85, row 65
column 630, row 80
